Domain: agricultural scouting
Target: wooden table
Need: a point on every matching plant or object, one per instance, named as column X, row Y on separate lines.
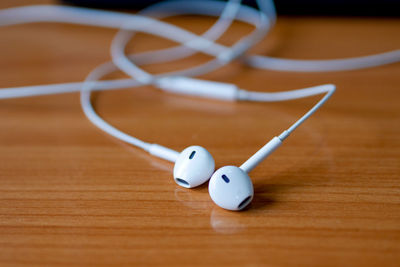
column 330, row 196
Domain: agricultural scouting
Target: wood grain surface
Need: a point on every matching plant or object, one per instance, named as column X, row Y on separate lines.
column 71, row 195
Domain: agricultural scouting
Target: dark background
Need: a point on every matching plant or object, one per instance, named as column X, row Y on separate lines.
column 284, row 7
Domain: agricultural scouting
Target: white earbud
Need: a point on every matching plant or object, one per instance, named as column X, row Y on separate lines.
column 231, row 188
column 193, row 167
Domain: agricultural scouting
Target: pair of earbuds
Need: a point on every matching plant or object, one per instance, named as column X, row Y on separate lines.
column 230, row 187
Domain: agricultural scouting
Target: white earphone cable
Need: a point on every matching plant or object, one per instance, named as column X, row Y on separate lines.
column 281, row 64
column 129, row 67
column 258, row 61
column 122, row 38
column 33, row 15
column 41, row 13
column 67, row 14
column 276, row 142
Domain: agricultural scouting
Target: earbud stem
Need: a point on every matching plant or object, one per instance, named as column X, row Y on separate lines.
column 261, row 154
column 163, row 152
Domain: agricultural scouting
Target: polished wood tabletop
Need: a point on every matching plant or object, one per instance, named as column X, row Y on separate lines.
column 72, row 195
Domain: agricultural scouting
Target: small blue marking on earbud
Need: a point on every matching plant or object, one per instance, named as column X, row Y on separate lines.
column 192, row 154
column 226, row 179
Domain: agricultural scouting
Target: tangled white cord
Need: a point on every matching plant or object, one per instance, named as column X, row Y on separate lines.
column 262, row 19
